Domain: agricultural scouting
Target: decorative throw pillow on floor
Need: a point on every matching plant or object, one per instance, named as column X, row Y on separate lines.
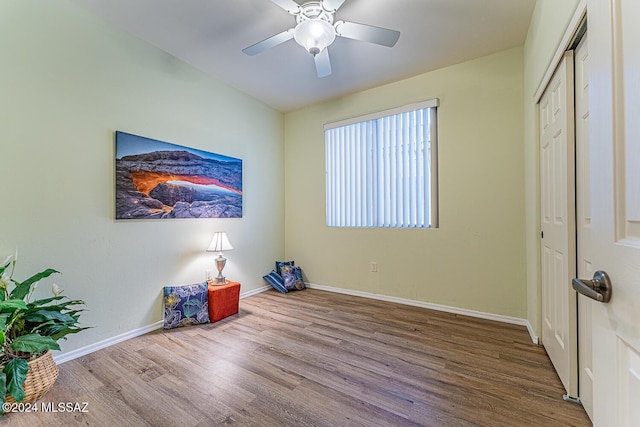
column 275, row 280
column 280, row 264
column 186, row 305
column 292, row 277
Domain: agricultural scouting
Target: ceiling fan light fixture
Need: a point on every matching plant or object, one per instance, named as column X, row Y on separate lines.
column 314, row 35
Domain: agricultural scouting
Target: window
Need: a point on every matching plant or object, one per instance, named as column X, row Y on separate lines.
column 381, row 169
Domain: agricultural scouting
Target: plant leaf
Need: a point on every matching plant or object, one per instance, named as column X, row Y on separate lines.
column 49, row 328
column 55, row 307
column 34, row 343
column 22, row 289
column 3, row 390
column 63, row 333
column 3, row 320
column 42, row 316
column 67, row 307
column 41, row 302
column 57, row 330
column 16, row 372
column 12, row 304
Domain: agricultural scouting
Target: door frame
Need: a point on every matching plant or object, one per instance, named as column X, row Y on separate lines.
column 566, row 42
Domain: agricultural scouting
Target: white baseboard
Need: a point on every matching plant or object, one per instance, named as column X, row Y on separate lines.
column 255, row 291
column 532, row 333
column 431, row 306
column 83, row 351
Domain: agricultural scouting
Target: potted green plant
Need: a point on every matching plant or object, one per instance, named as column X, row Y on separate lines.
column 29, row 330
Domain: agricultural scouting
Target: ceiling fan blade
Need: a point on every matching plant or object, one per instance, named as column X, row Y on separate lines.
column 332, row 5
column 288, row 5
column 367, row 33
column 323, row 64
column 269, row 43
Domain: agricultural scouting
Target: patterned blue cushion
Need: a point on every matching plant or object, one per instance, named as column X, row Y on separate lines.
column 276, row 281
column 186, row 305
column 292, row 277
column 280, row 264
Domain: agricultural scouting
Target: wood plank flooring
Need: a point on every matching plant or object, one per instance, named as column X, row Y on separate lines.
column 315, row 358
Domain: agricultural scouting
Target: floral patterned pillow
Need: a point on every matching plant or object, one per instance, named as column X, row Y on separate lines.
column 280, row 264
column 292, row 277
column 186, row 305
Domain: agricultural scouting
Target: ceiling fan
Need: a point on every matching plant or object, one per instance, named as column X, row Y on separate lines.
column 315, row 30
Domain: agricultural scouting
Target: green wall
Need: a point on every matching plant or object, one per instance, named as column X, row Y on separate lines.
column 548, row 24
column 67, row 82
column 476, row 259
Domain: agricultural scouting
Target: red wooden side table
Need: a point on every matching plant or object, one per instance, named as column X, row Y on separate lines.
column 223, row 300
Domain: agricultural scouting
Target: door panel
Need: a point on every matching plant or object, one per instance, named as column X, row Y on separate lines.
column 559, row 311
column 583, row 222
column 614, row 97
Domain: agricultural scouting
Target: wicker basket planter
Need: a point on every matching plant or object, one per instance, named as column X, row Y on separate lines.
column 43, row 372
column 30, row 328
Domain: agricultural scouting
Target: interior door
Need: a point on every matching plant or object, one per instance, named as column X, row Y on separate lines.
column 583, row 222
column 557, row 163
column 614, row 47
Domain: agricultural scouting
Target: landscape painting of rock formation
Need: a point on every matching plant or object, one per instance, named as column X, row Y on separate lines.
column 155, row 179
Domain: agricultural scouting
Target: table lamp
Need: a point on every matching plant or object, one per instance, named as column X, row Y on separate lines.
column 220, row 243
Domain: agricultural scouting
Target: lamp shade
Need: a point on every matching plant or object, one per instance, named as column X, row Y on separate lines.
column 219, row 243
column 314, row 35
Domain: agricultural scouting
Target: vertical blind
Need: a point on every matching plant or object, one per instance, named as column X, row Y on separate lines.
column 380, row 172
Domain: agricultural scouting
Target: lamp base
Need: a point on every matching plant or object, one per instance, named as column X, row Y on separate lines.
column 220, row 262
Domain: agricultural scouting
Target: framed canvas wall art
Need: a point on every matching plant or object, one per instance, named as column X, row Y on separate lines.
column 156, row 180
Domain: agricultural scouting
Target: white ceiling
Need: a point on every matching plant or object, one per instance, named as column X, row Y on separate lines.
column 210, row 35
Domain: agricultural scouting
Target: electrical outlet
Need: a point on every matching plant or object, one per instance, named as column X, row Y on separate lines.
column 374, row 266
